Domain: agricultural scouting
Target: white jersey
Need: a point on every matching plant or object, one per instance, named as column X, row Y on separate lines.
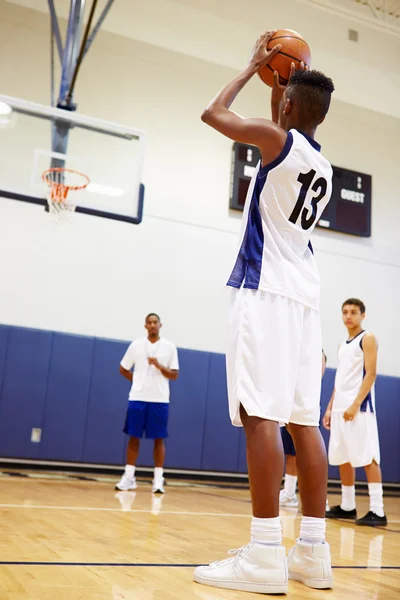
column 284, row 201
column 148, row 383
column 349, row 376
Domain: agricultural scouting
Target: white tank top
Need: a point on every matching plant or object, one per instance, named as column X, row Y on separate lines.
column 349, row 375
column 284, row 202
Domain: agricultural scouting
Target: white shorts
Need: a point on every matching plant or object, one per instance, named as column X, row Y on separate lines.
column 273, row 358
column 355, row 442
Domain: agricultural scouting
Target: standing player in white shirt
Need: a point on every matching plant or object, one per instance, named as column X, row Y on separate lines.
column 274, row 332
column 351, row 418
column 155, row 362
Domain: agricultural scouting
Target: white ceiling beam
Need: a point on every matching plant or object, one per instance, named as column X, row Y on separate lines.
column 389, row 25
column 373, row 9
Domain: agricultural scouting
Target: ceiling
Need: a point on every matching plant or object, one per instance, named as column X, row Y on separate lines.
column 387, row 12
column 384, row 8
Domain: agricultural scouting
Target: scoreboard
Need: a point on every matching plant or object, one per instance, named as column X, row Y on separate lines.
column 349, row 210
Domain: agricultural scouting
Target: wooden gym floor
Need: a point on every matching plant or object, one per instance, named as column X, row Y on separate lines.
column 67, row 538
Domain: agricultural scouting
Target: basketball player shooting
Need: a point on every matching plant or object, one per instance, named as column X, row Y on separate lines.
column 274, row 344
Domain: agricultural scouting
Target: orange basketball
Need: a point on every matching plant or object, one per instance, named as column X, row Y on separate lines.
column 294, row 49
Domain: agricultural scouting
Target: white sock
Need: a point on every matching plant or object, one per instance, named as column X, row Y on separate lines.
column 312, row 530
column 266, row 531
column 376, row 498
column 158, row 473
column 130, row 471
column 348, row 497
column 290, row 484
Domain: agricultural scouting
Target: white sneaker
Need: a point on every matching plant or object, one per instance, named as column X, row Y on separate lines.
column 288, row 501
column 311, row 564
column 253, row 568
column 158, row 486
column 126, row 483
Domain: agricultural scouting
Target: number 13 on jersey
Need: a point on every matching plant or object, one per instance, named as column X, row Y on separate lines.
column 307, row 208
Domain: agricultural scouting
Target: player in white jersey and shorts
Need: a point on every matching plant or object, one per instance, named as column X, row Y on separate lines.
column 351, row 418
column 274, row 339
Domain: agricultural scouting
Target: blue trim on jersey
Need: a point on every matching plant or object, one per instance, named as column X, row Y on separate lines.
column 249, row 260
column 367, row 402
column 255, row 239
column 248, row 263
column 277, row 161
column 355, row 337
column 368, row 398
column 311, row 247
column 309, row 139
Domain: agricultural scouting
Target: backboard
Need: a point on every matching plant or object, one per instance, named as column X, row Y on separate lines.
column 39, row 137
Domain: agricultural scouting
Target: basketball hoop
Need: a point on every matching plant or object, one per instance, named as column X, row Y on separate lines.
column 58, row 183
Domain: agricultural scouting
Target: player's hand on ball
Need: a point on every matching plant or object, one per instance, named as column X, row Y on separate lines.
column 326, row 421
column 154, row 361
column 351, row 413
column 278, row 88
column 260, row 55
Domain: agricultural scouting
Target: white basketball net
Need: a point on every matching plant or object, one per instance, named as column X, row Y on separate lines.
column 59, row 183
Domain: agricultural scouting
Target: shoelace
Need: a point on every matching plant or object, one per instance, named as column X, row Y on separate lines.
column 291, row 552
column 235, row 554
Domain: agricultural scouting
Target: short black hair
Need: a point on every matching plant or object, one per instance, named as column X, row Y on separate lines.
column 152, row 315
column 355, row 302
column 312, row 92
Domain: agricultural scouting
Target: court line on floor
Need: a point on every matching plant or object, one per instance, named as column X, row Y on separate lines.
column 159, row 565
column 134, row 510
column 149, row 511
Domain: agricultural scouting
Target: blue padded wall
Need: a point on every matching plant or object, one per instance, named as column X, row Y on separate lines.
column 70, row 387
column 107, row 404
column 4, row 333
column 388, row 412
column 186, row 414
column 67, row 398
column 24, row 390
column 217, row 422
column 187, row 411
column 326, row 393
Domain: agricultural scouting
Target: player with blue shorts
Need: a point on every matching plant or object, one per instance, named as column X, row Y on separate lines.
column 155, row 362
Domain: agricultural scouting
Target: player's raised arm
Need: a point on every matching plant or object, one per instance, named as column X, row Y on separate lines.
column 259, row 132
